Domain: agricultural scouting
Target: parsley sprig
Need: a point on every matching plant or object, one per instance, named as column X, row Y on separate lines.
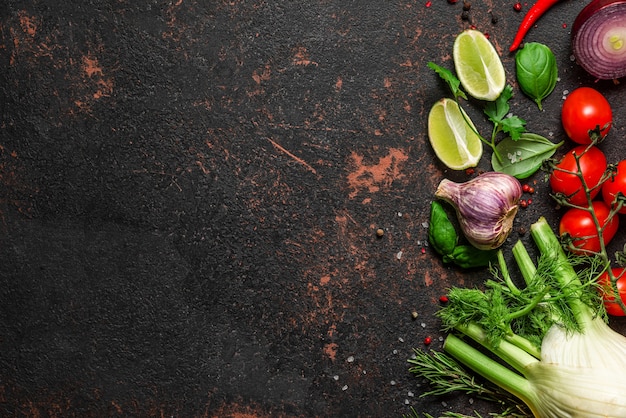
column 503, row 121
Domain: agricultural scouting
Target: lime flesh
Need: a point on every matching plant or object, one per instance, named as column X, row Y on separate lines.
column 453, row 135
column 478, row 65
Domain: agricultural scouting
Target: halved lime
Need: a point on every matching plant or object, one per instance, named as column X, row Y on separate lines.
column 478, row 65
column 453, row 135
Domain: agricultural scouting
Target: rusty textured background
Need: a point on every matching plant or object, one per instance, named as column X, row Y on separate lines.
column 190, row 193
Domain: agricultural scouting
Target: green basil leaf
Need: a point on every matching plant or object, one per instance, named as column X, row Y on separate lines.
column 442, row 234
column 523, row 157
column 536, row 71
column 467, row 256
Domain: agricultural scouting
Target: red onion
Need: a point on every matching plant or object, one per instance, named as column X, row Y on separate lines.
column 599, row 39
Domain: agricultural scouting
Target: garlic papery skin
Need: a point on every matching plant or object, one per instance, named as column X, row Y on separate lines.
column 485, row 206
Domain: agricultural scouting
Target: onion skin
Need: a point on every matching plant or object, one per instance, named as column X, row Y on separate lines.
column 599, row 39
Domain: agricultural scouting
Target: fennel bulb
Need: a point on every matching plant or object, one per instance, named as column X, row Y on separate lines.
column 580, row 369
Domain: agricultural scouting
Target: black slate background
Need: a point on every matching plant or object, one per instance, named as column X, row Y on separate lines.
column 190, row 193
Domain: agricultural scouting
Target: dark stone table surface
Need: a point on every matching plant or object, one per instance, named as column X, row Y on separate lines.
column 190, row 192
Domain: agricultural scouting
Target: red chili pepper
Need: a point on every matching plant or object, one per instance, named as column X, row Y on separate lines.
column 531, row 17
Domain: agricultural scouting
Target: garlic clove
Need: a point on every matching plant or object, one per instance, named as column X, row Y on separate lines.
column 485, row 206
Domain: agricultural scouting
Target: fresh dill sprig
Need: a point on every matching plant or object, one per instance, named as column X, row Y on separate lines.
column 505, row 311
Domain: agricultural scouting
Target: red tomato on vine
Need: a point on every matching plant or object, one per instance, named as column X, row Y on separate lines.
column 608, row 294
column 616, row 184
column 579, row 225
column 563, row 179
column 585, row 109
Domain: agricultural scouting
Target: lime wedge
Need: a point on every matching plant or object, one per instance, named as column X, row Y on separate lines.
column 453, row 135
column 478, row 65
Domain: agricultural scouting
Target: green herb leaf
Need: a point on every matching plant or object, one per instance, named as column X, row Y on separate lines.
column 498, row 113
column 523, row 157
column 513, row 126
column 536, row 71
column 498, row 109
column 468, row 256
column 441, row 232
column 453, row 82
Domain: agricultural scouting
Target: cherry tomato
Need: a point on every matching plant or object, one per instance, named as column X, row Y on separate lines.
column 585, row 109
column 592, row 166
column 579, row 225
column 608, row 294
column 616, row 184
